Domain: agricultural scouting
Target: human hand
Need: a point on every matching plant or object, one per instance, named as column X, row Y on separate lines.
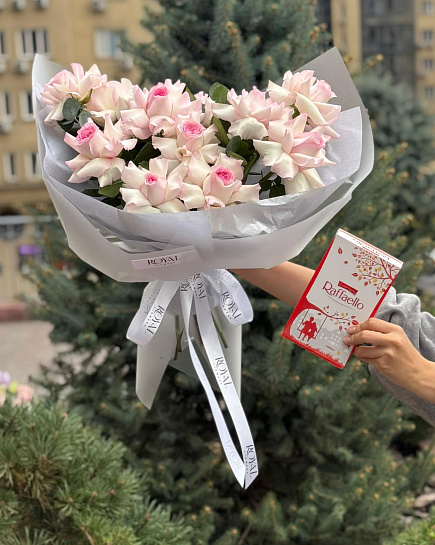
column 393, row 354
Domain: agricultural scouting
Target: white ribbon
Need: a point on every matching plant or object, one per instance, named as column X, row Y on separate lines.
column 237, row 308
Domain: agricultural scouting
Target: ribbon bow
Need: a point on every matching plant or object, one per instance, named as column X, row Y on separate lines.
column 198, row 295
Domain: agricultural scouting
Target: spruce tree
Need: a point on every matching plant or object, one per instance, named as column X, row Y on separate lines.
column 238, row 43
column 322, row 435
column 398, row 117
column 61, row 483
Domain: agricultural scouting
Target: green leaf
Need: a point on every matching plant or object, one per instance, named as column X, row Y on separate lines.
column 71, row 109
column 218, row 93
column 68, row 126
column 234, row 144
column 245, row 149
column 221, row 132
column 83, row 117
column 126, row 155
column 266, row 185
column 111, row 190
column 92, row 192
column 146, row 153
column 277, row 191
column 189, row 92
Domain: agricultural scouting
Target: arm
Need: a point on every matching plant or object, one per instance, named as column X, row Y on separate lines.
column 286, row 281
column 413, row 384
column 404, row 310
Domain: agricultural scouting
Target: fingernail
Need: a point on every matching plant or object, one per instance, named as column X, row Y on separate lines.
column 351, row 329
column 346, row 340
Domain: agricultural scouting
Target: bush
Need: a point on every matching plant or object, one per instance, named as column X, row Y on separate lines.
column 62, row 484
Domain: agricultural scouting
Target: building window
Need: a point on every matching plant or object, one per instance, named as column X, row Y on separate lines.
column 26, row 106
column 428, row 8
column 428, row 65
column 5, row 106
column 428, row 37
column 2, row 44
column 376, row 7
column 429, row 91
column 107, row 43
column 33, row 171
column 10, row 167
column 32, row 42
column 388, row 35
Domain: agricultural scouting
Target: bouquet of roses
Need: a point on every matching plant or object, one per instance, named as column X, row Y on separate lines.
column 165, row 150
column 121, row 161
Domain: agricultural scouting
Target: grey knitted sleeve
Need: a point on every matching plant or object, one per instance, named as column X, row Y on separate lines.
column 405, row 310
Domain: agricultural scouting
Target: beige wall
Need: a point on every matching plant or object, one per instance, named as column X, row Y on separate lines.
column 71, row 27
column 346, row 30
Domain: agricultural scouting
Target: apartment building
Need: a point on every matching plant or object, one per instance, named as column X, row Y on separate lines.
column 65, row 31
column 403, row 31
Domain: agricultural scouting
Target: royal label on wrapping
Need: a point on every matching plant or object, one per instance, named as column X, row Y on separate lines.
column 167, row 260
column 346, row 289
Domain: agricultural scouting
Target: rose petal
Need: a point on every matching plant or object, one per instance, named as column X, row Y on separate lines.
column 159, row 166
column 270, row 152
column 211, row 200
column 96, row 167
column 285, row 167
column 134, row 196
column 192, row 195
column 247, row 193
column 303, row 181
column 224, row 111
column 210, row 152
column 167, row 146
column 174, row 205
column 141, row 209
column 248, row 128
column 198, row 170
column 133, row 176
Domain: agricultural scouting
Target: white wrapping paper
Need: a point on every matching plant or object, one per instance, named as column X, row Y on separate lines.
column 180, row 247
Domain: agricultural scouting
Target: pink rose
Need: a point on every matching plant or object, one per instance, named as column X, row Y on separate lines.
column 135, row 120
column 158, row 109
column 165, row 103
column 111, row 98
column 65, row 84
column 217, row 186
column 249, row 113
column 191, row 137
column 309, row 95
column 154, row 190
column 190, row 129
column 290, row 149
column 86, row 133
column 98, row 152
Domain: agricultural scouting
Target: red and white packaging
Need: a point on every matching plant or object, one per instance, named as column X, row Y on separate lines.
column 347, row 288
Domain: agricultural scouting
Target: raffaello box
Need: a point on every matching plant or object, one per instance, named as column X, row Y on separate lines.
column 346, row 289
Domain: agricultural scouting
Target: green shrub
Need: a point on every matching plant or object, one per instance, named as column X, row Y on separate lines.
column 62, row 484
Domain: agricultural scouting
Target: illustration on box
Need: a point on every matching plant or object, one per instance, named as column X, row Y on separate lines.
column 322, row 327
column 322, row 331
